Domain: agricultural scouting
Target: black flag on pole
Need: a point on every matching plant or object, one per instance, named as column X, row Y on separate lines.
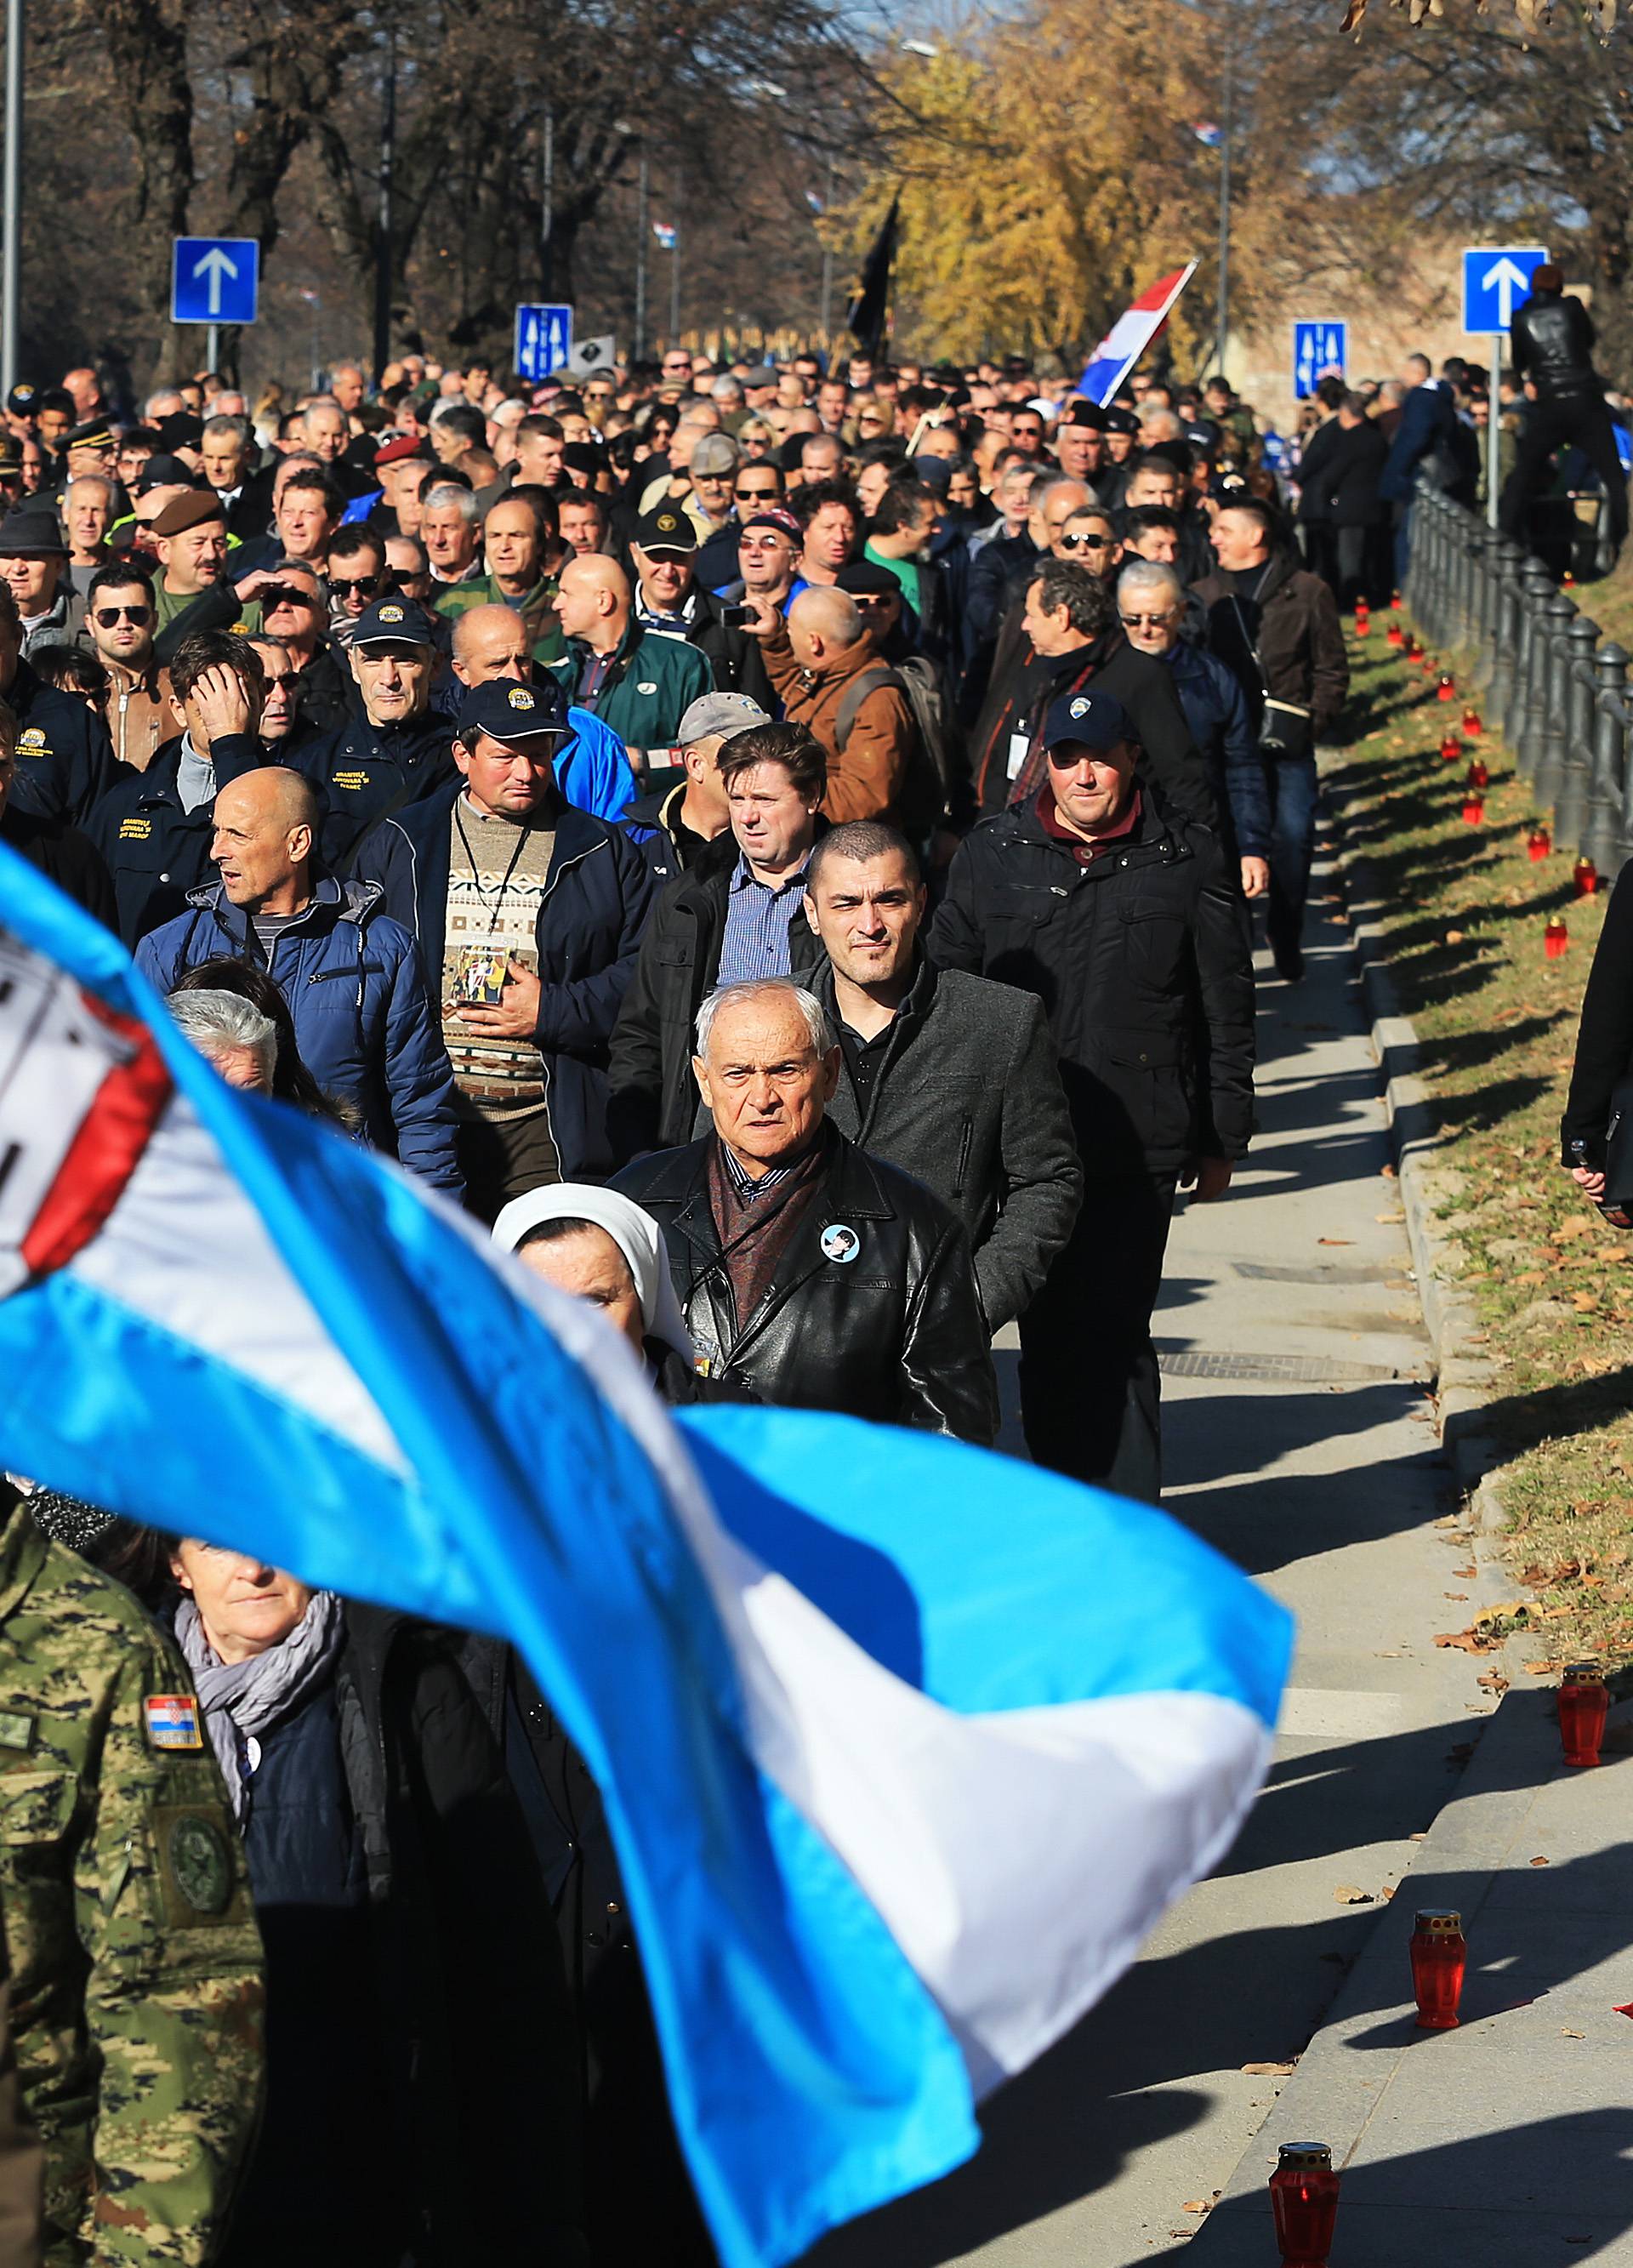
column 865, row 319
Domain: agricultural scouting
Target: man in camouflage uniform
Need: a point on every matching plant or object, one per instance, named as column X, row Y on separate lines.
column 136, row 1961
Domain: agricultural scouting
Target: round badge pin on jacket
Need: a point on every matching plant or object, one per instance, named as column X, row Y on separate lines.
column 840, row 1243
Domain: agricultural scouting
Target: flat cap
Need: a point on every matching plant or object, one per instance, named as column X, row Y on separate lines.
column 716, row 452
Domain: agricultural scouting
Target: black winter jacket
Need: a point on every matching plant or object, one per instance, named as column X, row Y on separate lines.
column 1604, row 1054
column 734, row 657
column 1293, row 623
column 968, row 1099
column 65, row 761
column 1353, row 472
column 155, row 852
column 65, row 856
column 1143, row 963
column 653, row 1094
column 1552, row 341
column 893, row 1332
column 591, row 918
column 365, row 770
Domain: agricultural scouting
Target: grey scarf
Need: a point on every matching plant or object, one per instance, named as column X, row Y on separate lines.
column 244, row 1697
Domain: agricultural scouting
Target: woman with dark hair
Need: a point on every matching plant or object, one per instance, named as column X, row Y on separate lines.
column 292, row 1081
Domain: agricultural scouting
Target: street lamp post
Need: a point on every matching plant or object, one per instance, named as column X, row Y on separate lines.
column 547, row 203
column 11, row 288
column 382, row 255
column 641, row 224
column 1222, row 322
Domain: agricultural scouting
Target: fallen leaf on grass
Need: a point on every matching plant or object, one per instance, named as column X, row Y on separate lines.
column 1532, row 1275
column 1578, row 1224
column 1584, row 1302
column 1565, row 2033
column 1543, row 1668
column 1616, row 1252
column 1348, row 1894
column 1464, row 1574
column 1267, row 2070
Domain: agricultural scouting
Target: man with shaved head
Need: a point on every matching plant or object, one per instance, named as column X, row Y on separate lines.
column 638, row 681
column 831, row 679
column 369, row 1036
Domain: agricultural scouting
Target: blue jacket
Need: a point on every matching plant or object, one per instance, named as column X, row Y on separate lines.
column 1217, row 712
column 363, row 1019
column 593, row 767
column 593, row 910
column 1427, row 422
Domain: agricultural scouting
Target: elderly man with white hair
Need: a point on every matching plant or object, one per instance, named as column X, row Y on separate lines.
column 1151, row 600
column 817, row 1275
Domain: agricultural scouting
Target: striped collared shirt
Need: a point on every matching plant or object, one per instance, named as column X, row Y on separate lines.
column 757, row 923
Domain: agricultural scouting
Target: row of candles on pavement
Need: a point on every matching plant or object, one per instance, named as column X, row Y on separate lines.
column 1540, row 843
column 1304, row 2188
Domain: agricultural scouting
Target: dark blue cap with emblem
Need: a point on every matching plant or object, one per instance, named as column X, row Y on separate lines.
column 1095, row 721
column 393, row 622
column 511, row 712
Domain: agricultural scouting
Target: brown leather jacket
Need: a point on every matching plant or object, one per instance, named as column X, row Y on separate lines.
column 866, row 781
column 138, row 712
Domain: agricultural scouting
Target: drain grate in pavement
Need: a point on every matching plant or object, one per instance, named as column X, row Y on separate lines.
column 1273, row 1369
column 1264, row 1272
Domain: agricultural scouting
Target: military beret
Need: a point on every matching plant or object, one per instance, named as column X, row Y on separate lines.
column 189, row 510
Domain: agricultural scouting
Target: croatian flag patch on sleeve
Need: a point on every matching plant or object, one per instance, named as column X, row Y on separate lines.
column 172, row 1722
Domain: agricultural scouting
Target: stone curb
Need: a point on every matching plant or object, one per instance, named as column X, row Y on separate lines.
column 1341, row 2077
column 1462, row 1371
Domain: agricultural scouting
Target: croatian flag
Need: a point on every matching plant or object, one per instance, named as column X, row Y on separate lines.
column 1209, row 135
column 1130, row 334
column 666, row 232
column 905, row 1747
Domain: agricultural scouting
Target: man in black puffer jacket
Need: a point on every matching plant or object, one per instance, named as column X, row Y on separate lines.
column 1127, row 926
column 1553, row 346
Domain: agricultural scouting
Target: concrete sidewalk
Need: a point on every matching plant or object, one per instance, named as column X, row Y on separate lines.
column 1300, row 1441
column 1507, row 2143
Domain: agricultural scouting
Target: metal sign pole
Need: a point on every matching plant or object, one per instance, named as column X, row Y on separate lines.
column 1494, row 427
column 12, row 290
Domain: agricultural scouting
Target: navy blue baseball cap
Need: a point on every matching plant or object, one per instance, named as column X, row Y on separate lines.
column 393, row 622
column 512, row 712
column 1094, row 721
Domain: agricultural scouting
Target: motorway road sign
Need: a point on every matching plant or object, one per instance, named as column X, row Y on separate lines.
column 1495, row 278
column 214, row 279
column 544, row 339
column 1319, row 346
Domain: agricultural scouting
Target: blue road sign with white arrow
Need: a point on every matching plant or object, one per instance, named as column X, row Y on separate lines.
column 214, row 279
column 1497, row 278
column 1318, row 348
column 544, row 339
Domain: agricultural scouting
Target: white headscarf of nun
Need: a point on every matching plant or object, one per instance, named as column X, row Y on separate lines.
column 635, row 1233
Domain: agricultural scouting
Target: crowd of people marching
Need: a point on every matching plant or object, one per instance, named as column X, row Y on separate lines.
column 782, row 844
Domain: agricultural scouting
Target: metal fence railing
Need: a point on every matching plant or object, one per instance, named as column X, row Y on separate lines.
column 1557, row 695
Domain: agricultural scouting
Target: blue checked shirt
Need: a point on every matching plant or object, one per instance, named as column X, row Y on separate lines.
column 757, row 923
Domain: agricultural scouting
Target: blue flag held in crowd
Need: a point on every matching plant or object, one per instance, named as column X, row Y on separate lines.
column 905, row 1747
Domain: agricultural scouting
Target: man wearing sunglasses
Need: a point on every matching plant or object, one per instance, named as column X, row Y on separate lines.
column 757, row 485
column 294, row 610
column 1126, row 924
column 355, row 577
column 121, row 618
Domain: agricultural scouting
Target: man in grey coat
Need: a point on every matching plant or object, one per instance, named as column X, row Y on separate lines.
column 950, row 1077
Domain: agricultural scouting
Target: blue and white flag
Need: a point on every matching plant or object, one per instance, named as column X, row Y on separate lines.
column 905, row 1747
column 1130, row 334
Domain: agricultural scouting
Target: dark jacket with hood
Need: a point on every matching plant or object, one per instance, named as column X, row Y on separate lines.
column 653, row 1093
column 1142, row 961
column 591, row 918
column 884, row 1323
column 968, row 1098
column 363, row 1020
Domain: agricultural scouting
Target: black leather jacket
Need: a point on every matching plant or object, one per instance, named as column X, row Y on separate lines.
column 1552, row 340
column 893, row 1332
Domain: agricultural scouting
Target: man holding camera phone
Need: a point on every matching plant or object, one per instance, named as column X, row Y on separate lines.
column 1277, row 628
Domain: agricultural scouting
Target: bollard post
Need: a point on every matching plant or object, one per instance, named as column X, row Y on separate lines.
column 1505, row 628
column 1536, row 588
column 1575, row 777
column 1602, row 841
column 1549, row 738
